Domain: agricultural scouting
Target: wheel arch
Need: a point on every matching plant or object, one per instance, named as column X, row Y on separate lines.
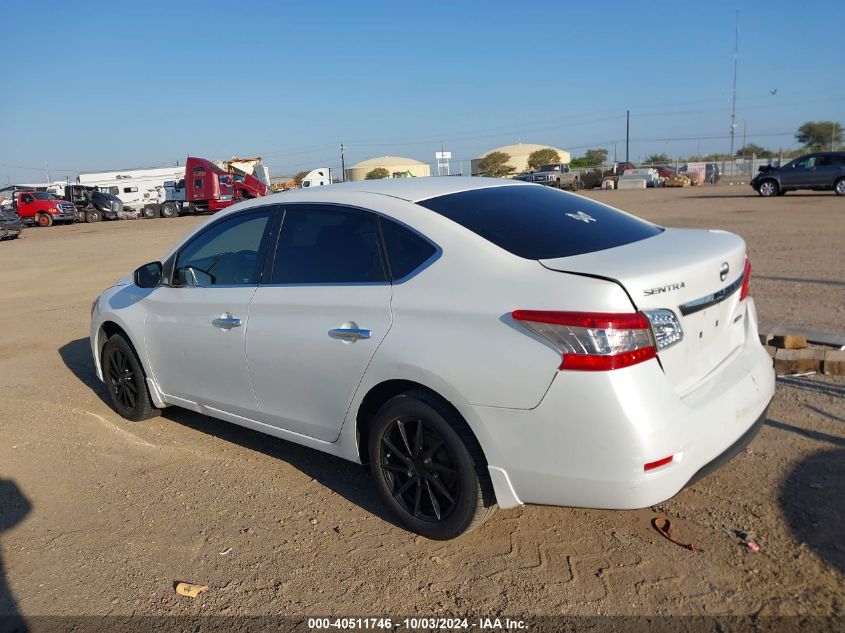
column 109, row 328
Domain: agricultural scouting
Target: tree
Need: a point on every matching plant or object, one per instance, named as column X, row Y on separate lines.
column 819, row 135
column 299, row 176
column 543, row 156
column 377, row 174
column 595, row 157
column 658, row 159
column 751, row 149
column 495, row 165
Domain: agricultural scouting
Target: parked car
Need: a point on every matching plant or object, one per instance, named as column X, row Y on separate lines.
column 557, row 175
column 820, row 171
column 10, row 224
column 666, row 171
column 38, row 207
column 476, row 341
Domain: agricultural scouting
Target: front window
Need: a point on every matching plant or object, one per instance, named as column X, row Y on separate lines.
column 40, row 195
column 807, row 162
column 227, row 254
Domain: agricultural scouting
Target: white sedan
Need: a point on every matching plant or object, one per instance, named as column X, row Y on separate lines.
column 478, row 342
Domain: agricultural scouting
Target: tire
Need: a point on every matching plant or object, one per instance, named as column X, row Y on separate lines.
column 436, row 483
column 126, row 381
column 768, row 188
column 44, row 219
column 839, row 187
column 150, row 211
column 93, row 215
column 169, row 210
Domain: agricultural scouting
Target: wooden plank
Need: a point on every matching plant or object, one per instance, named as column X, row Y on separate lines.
column 812, row 336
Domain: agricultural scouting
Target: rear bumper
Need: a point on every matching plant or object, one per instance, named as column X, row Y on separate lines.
column 587, row 442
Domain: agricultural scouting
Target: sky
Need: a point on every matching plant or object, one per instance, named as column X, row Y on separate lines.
column 102, row 85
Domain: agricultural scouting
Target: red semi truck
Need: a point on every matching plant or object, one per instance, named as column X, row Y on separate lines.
column 208, row 188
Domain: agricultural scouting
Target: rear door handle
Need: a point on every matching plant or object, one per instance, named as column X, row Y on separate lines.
column 226, row 321
column 349, row 333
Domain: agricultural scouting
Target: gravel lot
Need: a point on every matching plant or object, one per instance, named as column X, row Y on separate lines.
column 101, row 516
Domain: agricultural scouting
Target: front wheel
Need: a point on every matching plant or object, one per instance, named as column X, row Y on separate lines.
column 44, row 219
column 93, row 215
column 768, row 188
column 839, row 187
column 126, row 381
column 169, row 210
column 428, row 466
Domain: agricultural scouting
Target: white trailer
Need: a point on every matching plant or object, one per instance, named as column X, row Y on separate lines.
column 139, row 189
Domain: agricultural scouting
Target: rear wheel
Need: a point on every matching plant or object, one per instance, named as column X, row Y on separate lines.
column 44, row 219
column 169, row 210
column 150, row 211
column 768, row 188
column 428, row 466
column 126, row 381
column 839, row 187
column 93, row 215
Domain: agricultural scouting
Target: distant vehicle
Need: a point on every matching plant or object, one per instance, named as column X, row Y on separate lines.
column 92, row 204
column 712, row 171
column 821, row 171
column 138, row 189
column 318, row 177
column 590, row 359
column 10, row 224
column 558, row 175
column 39, row 207
column 666, row 171
column 207, row 188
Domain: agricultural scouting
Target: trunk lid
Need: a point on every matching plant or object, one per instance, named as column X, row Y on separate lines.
column 695, row 273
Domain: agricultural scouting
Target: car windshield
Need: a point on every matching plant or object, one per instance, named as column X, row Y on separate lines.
column 549, row 167
column 537, row 222
column 40, row 195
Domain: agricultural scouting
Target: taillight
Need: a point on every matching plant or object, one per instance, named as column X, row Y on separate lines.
column 746, row 278
column 593, row 341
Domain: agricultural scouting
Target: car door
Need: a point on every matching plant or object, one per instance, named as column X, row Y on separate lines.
column 826, row 170
column 196, row 326
column 800, row 173
column 317, row 321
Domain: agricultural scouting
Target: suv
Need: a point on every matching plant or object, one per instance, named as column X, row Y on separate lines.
column 557, row 175
column 821, row 171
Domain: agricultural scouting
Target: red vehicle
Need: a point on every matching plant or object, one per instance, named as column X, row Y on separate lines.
column 208, row 188
column 38, row 207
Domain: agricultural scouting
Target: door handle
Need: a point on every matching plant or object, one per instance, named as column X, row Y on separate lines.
column 226, row 321
column 349, row 333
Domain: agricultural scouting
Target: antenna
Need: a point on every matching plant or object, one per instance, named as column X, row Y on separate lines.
column 733, row 94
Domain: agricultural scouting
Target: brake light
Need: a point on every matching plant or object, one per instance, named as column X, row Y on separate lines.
column 593, row 341
column 746, row 278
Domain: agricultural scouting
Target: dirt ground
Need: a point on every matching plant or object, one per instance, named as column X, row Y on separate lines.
column 101, row 516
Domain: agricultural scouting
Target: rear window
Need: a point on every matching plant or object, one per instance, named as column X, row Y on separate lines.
column 539, row 222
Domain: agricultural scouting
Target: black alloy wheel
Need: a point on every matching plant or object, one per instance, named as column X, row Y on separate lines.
column 420, row 470
column 125, row 380
column 428, row 466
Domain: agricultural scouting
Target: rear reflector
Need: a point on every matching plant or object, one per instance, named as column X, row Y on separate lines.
column 657, row 464
column 746, row 278
column 593, row 341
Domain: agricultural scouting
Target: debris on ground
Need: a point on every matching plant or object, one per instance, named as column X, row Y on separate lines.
column 664, row 528
column 225, row 551
column 190, row 590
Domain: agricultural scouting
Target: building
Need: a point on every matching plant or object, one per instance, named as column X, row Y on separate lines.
column 519, row 154
column 395, row 165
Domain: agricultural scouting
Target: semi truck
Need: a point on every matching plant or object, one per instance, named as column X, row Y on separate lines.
column 206, row 188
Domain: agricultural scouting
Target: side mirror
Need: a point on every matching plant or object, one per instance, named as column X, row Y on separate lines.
column 148, row 275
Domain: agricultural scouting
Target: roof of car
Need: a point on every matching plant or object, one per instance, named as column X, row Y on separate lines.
column 410, row 189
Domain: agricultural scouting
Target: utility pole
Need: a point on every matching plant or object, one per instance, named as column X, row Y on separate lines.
column 342, row 164
column 733, row 93
column 627, row 134
column 744, row 127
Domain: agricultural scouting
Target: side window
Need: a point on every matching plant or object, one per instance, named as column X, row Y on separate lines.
column 197, row 183
column 27, row 198
column 328, row 245
column 114, row 191
column 406, row 250
column 130, row 189
column 226, row 254
column 806, row 163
